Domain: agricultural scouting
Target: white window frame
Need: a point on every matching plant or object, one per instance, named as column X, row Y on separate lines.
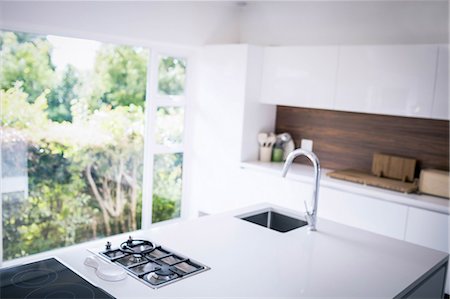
column 153, row 101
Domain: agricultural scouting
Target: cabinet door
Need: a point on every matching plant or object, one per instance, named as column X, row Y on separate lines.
column 363, row 212
column 300, row 76
column 429, row 229
column 392, row 79
column 441, row 99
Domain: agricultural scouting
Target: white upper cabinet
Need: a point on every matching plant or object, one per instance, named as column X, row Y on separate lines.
column 441, row 99
column 391, row 79
column 300, row 76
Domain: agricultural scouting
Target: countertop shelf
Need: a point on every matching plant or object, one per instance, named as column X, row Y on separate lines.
column 304, row 173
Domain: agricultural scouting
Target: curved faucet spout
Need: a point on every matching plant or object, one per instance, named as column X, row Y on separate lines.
column 311, row 216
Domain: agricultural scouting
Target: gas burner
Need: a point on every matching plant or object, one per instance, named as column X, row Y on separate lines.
column 153, row 265
column 137, row 258
column 132, row 259
column 136, row 246
column 160, row 276
column 163, row 272
column 144, row 268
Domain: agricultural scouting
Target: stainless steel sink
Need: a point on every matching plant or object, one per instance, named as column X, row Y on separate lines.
column 274, row 220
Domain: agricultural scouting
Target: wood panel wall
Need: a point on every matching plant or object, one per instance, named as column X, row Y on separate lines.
column 345, row 140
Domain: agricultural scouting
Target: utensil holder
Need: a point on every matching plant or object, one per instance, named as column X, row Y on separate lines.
column 265, row 154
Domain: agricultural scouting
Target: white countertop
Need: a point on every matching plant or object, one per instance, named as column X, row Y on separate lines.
column 303, row 173
column 250, row 261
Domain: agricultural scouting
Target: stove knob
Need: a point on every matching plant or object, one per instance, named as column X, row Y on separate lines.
column 108, row 245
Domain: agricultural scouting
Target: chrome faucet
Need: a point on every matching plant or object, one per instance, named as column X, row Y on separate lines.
column 311, row 216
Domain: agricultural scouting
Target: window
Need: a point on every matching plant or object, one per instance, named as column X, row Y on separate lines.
column 166, row 98
column 78, row 120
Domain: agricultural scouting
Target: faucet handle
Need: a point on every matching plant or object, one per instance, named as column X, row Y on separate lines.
column 310, row 218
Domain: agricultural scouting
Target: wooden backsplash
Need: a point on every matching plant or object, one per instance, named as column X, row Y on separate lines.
column 344, row 140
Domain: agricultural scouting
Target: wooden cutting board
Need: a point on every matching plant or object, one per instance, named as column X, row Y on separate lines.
column 393, row 167
column 373, row 180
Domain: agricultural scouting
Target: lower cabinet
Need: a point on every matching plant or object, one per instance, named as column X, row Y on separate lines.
column 418, row 226
column 430, row 287
column 429, row 229
column 363, row 212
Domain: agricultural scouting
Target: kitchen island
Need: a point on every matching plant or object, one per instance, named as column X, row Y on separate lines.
column 251, row 261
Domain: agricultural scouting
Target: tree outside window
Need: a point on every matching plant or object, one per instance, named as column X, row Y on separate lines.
column 74, row 137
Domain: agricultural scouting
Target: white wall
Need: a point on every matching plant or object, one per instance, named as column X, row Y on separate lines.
column 219, row 111
column 344, row 22
column 183, row 23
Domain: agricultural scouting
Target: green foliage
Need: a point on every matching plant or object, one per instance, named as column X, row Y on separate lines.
column 41, row 223
column 167, row 175
column 163, row 208
column 171, row 76
column 27, row 60
column 60, row 128
column 120, row 76
column 61, row 97
column 47, row 165
column 18, row 113
column 54, row 209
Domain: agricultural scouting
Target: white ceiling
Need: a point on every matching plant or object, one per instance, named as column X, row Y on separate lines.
column 213, row 22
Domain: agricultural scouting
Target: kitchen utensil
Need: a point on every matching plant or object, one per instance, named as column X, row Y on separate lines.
column 105, row 271
column 265, row 153
column 262, row 139
column 271, row 139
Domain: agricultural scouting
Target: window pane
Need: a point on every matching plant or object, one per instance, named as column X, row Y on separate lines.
column 167, row 187
column 71, row 124
column 14, row 206
column 169, row 125
column 171, row 76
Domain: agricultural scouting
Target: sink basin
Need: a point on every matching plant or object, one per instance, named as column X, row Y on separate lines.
column 274, row 220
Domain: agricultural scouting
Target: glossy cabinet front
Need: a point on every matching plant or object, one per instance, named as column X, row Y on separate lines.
column 391, row 79
column 364, row 212
column 300, row 76
column 441, row 95
column 429, row 229
column 402, row 80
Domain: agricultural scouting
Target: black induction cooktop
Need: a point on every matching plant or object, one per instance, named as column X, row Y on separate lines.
column 46, row 279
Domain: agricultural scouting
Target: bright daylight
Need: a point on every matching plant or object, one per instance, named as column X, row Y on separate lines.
column 72, row 126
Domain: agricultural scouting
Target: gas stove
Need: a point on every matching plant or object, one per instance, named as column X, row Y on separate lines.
column 154, row 265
